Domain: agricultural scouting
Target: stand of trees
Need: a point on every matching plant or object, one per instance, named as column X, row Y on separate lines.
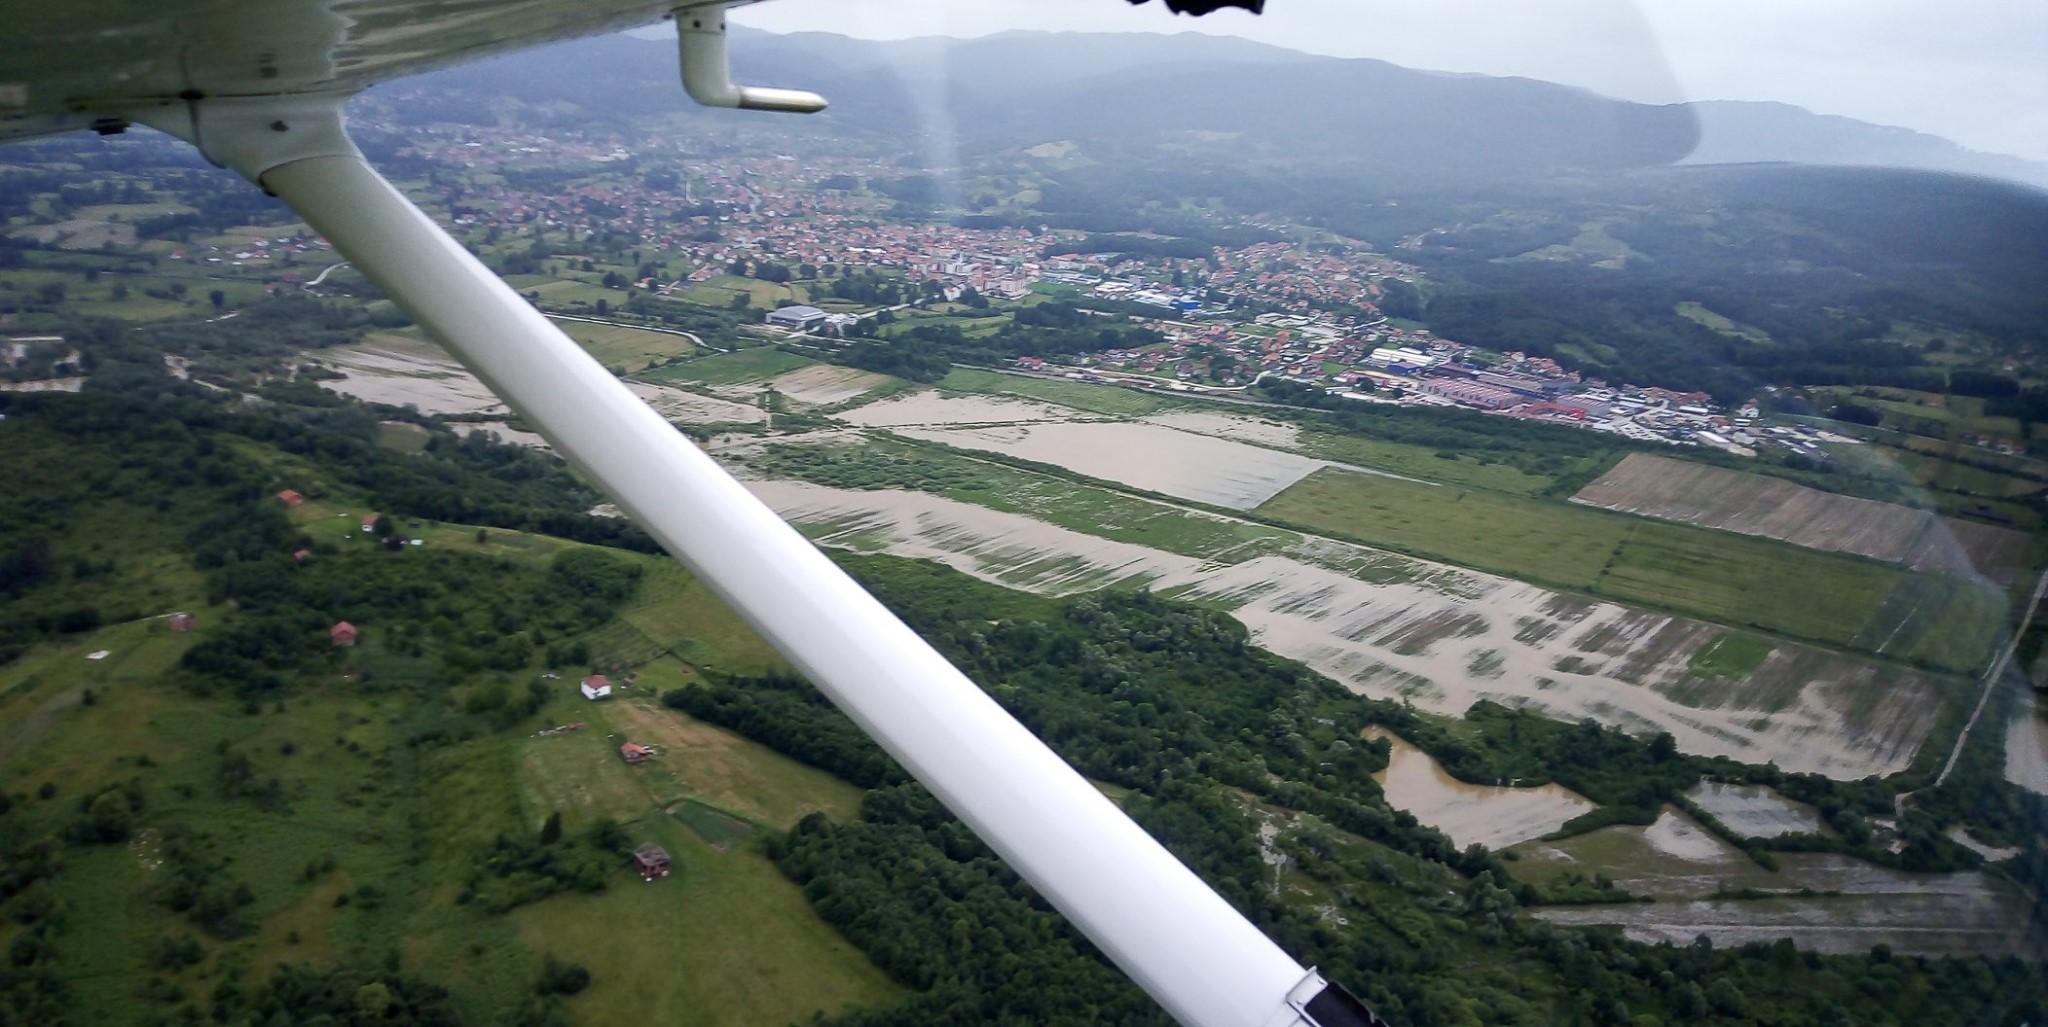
column 1206, row 731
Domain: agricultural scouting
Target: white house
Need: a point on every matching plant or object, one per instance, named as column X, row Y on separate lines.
column 597, row 686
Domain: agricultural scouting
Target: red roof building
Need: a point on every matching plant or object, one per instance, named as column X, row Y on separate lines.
column 182, row 622
column 342, row 633
column 290, row 497
column 596, row 686
column 634, row 752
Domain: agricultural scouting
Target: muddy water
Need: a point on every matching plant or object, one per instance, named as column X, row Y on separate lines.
column 1490, row 816
column 1229, row 426
column 932, row 408
column 1679, row 863
column 401, row 375
column 2026, row 746
column 1440, row 637
column 1145, row 456
column 504, row 432
column 825, row 384
column 690, row 408
column 1754, row 811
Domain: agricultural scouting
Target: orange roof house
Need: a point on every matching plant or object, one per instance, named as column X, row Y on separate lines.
column 342, row 633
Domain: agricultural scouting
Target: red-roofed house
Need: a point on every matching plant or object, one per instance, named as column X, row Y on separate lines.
column 634, row 752
column 342, row 633
column 182, row 622
column 290, row 497
column 597, row 686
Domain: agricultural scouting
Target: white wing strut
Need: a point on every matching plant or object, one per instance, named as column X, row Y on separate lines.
column 1205, row 963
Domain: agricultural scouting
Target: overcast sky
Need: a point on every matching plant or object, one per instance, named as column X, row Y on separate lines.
column 1975, row 71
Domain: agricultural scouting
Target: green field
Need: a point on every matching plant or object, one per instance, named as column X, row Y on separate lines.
column 1720, row 576
column 1699, row 314
column 389, row 788
column 719, row 291
column 756, row 363
column 1099, row 399
column 1433, row 464
column 955, row 474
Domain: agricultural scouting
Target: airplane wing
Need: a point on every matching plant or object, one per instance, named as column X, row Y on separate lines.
column 258, row 86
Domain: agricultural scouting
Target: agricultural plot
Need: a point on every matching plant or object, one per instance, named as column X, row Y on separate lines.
column 1754, row 811
column 1198, row 467
column 1753, row 504
column 403, row 371
column 1823, row 902
column 1440, row 637
column 827, row 384
column 1097, row 399
column 628, row 349
column 753, row 364
column 936, row 407
column 1723, row 576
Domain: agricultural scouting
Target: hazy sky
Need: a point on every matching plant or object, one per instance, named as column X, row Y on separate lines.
column 1975, row 71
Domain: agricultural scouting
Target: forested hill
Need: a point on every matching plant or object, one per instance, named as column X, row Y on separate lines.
column 1115, row 91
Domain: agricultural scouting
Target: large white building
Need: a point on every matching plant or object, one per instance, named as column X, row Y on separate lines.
column 798, row 318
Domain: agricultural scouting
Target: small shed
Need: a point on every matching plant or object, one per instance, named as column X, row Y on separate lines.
column 634, row 752
column 290, row 497
column 182, row 622
column 342, row 633
column 597, row 686
column 652, row 861
column 301, row 555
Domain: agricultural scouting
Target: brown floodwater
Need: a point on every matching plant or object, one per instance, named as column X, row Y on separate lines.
column 1684, row 868
column 1183, row 464
column 1439, row 637
column 1754, row 811
column 1484, row 814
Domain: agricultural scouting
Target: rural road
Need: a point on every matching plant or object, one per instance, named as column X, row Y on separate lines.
column 1991, row 679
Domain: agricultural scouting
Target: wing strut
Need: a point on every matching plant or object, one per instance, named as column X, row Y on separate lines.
column 1180, row 941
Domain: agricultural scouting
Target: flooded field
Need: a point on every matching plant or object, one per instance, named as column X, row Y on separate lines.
column 825, row 384
column 692, row 408
column 404, row 372
column 1145, row 456
column 1491, row 816
column 1440, row 637
column 401, row 371
column 504, row 432
column 1754, row 811
column 2026, row 745
column 1229, row 426
column 1754, row 504
column 1693, row 875
column 932, row 407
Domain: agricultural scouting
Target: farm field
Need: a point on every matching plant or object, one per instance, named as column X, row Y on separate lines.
column 1146, row 456
column 752, row 364
column 627, row 349
column 1722, row 576
column 1694, row 875
column 1753, row 504
column 1440, row 637
column 1096, row 399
